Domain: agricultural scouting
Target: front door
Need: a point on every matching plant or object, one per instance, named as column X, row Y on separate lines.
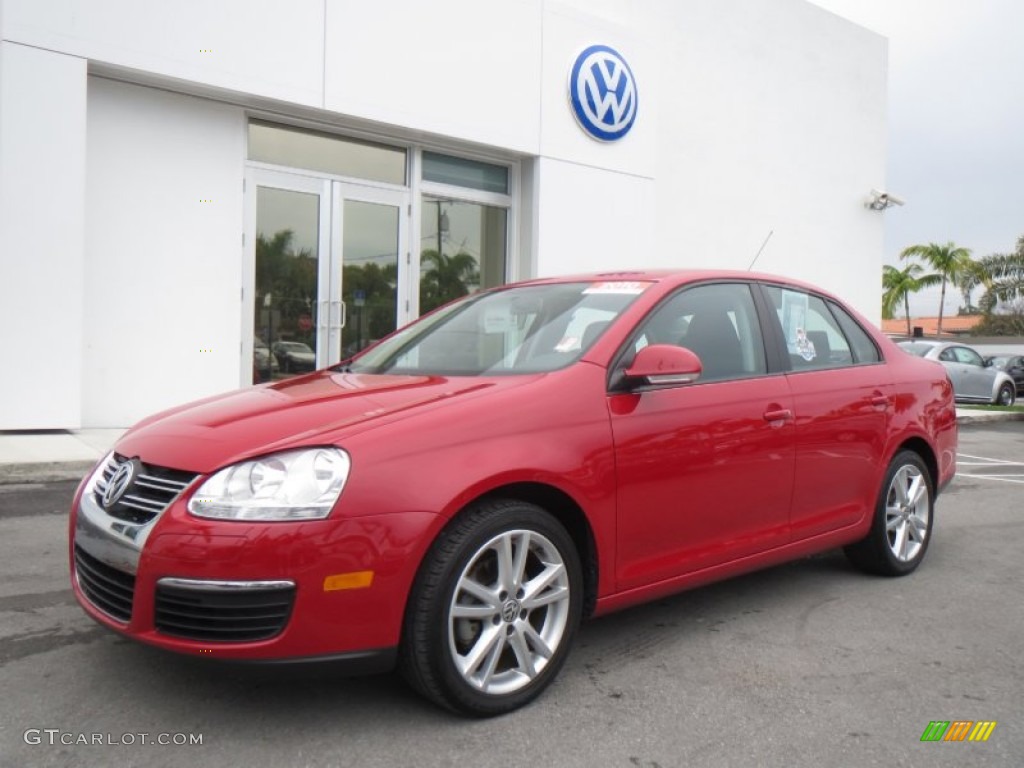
column 705, row 471
column 328, row 275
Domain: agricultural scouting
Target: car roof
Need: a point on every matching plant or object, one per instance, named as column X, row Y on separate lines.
column 935, row 343
column 676, row 277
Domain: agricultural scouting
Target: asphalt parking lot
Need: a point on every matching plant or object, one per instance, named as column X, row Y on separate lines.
column 807, row 664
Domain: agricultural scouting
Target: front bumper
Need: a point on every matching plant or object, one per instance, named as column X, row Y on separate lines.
column 249, row 591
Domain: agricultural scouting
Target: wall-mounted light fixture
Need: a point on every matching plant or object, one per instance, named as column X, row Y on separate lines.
column 879, row 201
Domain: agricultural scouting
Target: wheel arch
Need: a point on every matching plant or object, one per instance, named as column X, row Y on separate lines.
column 560, row 506
column 922, row 448
column 563, row 508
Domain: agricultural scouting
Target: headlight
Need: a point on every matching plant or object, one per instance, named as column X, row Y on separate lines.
column 293, row 485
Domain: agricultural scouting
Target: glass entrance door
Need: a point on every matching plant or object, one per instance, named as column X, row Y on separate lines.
column 373, row 281
column 328, row 277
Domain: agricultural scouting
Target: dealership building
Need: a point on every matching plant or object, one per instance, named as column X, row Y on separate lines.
column 199, row 194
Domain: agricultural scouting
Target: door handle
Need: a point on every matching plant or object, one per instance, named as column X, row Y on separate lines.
column 776, row 416
column 336, row 318
column 880, row 401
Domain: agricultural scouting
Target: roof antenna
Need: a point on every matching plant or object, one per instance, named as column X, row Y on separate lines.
column 770, row 233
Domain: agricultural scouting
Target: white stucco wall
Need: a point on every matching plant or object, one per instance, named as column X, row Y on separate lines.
column 163, row 248
column 754, row 117
column 775, row 123
column 42, row 180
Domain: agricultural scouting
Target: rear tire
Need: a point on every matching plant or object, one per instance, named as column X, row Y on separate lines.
column 902, row 525
column 494, row 609
column 1007, row 395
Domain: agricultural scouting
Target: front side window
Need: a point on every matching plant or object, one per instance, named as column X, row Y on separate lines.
column 716, row 322
column 525, row 329
column 968, row 356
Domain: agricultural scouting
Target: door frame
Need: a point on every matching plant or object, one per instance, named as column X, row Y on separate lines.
column 342, row 191
column 332, row 195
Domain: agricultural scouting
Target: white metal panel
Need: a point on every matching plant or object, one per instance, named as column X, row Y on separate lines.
column 566, row 33
column 42, row 185
column 464, row 69
column 776, row 123
column 260, row 47
column 163, row 251
column 591, row 219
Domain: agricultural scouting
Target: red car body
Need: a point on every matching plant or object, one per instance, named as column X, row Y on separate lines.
column 661, row 490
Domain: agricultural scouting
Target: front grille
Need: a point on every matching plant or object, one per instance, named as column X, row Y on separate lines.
column 220, row 615
column 109, row 589
column 150, row 492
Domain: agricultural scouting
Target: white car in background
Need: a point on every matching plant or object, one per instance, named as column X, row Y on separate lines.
column 974, row 380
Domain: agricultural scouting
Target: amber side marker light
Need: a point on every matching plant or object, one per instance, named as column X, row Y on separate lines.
column 354, row 580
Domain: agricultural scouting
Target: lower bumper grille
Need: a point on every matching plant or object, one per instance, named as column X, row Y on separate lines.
column 223, row 615
column 110, row 590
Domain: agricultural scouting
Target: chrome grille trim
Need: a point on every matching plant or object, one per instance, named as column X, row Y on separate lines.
column 152, row 490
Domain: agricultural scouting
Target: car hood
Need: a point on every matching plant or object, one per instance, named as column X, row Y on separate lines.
column 319, row 408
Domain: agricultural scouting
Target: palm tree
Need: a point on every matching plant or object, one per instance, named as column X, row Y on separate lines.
column 448, row 277
column 948, row 262
column 1005, row 274
column 897, row 286
column 974, row 276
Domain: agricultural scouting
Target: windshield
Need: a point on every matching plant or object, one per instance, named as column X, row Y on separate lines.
column 916, row 349
column 523, row 329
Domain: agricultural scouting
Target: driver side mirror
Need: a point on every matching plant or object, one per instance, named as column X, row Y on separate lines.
column 664, row 365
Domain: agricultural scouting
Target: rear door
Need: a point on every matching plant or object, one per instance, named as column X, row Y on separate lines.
column 843, row 404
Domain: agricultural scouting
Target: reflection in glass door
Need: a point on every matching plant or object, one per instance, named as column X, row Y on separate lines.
column 370, row 259
column 286, row 301
column 328, row 278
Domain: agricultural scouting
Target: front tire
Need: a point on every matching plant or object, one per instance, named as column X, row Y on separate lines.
column 902, row 525
column 494, row 610
column 1007, row 394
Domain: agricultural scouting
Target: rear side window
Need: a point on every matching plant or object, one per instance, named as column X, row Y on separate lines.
column 864, row 349
column 818, row 334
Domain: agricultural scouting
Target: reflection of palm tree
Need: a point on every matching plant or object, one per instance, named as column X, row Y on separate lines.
column 289, row 275
column 448, row 277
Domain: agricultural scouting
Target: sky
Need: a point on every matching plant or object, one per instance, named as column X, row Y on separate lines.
column 956, row 124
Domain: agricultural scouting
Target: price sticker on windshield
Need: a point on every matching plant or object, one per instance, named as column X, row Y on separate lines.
column 621, row 288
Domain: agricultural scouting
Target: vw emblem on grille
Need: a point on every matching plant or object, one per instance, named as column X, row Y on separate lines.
column 603, row 93
column 118, row 484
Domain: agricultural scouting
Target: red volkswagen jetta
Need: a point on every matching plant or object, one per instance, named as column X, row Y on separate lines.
column 455, row 499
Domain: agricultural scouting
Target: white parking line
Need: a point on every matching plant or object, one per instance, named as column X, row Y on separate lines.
column 982, row 462
column 1019, row 481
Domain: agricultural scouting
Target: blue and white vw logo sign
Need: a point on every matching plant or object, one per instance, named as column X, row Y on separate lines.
column 603, row 93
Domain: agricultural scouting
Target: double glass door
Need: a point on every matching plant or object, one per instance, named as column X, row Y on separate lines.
column 329, row 271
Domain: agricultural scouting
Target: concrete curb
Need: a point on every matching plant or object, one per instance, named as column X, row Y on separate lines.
column 980, row 417
column 43, row 472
